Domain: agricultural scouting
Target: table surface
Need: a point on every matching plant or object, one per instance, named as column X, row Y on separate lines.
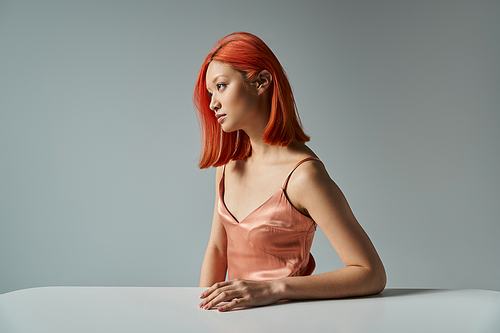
column 168, row 309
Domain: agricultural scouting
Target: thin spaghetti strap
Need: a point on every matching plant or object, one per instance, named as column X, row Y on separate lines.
column 223, row 175
column 295, row 167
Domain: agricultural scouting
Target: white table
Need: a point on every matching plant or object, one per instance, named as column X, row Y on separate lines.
column 132, row 309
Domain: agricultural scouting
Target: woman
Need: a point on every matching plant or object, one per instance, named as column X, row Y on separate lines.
column 271, row 190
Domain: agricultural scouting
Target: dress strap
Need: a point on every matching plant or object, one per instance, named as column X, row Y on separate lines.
column 222, row 181
column 296, row 166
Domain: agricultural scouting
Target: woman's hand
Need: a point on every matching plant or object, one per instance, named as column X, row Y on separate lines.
column 240, row 293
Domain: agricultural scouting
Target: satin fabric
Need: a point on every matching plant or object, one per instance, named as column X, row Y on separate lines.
column 272, row 242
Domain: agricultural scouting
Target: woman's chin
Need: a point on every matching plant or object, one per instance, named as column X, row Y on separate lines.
column 227, row 129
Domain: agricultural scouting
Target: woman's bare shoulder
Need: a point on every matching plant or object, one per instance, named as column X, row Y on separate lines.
column 309, row 172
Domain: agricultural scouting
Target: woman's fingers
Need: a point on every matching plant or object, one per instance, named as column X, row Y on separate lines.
column 213, row 288
column 235, row 303
column 216, row 296
column 223, row 296
column 238, row 293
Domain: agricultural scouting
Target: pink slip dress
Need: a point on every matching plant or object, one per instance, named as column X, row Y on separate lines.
column 272, row 242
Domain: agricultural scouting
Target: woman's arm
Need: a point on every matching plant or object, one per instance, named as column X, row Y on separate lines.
column 312, row 192
column 215, row 262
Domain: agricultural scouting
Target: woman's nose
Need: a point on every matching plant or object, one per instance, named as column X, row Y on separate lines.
column 214, row 104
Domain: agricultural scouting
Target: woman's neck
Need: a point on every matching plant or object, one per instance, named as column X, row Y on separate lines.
column 265, row 153
column 260, row 149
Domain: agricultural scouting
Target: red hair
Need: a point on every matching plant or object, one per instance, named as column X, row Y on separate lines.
column 249, row 55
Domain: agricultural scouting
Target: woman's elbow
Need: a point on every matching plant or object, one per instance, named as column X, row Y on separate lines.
column 378, row 280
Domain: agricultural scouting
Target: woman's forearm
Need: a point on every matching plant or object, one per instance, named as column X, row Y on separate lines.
column 346, row 282
column 214, row 268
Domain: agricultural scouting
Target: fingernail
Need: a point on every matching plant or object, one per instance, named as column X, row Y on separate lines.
column 206, row 307
column 220, row 309
column 200, row 305
column 202, row 295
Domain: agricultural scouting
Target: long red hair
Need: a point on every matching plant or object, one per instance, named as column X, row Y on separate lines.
column 249, row 55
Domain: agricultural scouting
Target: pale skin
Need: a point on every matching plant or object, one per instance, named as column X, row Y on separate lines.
column 252, row 181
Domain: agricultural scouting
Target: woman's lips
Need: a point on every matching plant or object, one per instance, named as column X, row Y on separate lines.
column 220, row 117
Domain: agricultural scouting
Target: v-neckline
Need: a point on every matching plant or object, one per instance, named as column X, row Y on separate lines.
column 279, row 191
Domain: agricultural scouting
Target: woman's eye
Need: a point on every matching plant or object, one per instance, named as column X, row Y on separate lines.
column 220, row 86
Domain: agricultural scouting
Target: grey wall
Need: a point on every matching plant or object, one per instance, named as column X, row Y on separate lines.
column 99, row 140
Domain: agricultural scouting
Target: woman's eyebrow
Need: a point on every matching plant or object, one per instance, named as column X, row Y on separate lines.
column 218, row 76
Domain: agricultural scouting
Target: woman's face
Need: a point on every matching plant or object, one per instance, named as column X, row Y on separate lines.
column 232, row 100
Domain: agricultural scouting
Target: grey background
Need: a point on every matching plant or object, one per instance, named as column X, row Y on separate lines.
column 99, row 140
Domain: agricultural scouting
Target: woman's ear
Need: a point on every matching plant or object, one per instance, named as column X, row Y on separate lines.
column 264, row 81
